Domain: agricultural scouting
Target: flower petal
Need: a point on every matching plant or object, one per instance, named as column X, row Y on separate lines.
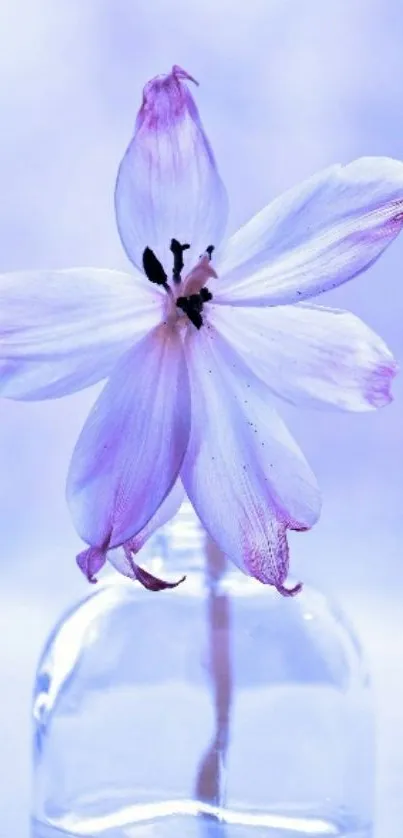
column 316, row 236
column 168, row 186
column 169, row 507
column 151, row 582
column 129, row 453
column 90, row 562
column 122, row 559
column 61, row 331
column 311, row 356
column 244, row 474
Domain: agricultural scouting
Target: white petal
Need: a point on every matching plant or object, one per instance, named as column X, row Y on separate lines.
column 61, row 331
column 316, row 236
column 311, row 356
column 243, row 472
column 168, row 185
column 131, row 448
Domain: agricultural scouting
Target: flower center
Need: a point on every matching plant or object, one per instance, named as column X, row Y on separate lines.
column 190, row 294
column 192, row 306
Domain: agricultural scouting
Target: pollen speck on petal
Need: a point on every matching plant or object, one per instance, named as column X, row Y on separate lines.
column 318, row 235
column 243, row 473
column 312, row 356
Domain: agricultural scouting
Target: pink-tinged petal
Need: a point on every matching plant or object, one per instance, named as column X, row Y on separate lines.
column 90, row 562
column 168, row 508
column 244, row 474
column 154, row 583
column 122, row 558
column 168, row 186
column 130, row 451
column 273, row 570
column 61, row 331
column 316, row 236
column 311, row 356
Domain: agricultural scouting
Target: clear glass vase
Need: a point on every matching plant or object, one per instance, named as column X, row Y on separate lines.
column 215, row 709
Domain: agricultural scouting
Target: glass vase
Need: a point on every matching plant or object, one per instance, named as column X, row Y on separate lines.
column 214, row 709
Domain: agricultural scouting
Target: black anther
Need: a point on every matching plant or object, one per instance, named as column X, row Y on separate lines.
column 177, row 249
column 192, row 306
column 205, row 295
column 182, row 303
column 153, row 268
column 195, row 318
column 196, row 302
column 192, row 312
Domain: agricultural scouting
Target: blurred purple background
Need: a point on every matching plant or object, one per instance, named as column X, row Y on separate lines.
column 286, row 88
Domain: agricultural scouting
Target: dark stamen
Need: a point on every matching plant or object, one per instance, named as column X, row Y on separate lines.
column 153, row 269
column 205, row 295
column 177, row 249
column 196, row 302
column 192, row 312
column 192, row 306
column 209, row 250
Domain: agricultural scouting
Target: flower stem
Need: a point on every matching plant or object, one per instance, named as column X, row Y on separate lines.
column 211, row 778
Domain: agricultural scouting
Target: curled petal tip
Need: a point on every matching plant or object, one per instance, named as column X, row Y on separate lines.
column 289, row 592
column 146, row 579
column 165, row 98
column 295, row 526
column 153, row 583
column 91, row 561
column 182, row 74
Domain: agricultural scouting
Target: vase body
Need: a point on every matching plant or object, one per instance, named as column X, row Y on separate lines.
column 215, row 709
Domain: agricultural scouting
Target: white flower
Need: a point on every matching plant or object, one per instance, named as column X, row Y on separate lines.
column 195, row 341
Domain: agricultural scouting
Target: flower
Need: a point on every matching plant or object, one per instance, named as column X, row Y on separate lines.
column 196, row 340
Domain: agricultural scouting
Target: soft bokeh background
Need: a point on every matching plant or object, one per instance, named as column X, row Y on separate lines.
column 288, row 86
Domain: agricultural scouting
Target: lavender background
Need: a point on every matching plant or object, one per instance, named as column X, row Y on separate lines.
column 287, row 88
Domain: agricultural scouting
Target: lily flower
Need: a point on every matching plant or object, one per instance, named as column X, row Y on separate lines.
column 197, row 340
